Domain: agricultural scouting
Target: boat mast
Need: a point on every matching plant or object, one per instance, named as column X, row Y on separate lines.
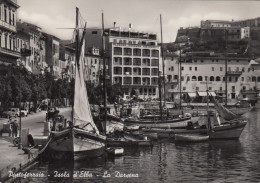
column 104, row 73
column 160, row 88
column 162, row 61
column 226, row 67
column 180, row 77
column 77, row 57
column 207, row 90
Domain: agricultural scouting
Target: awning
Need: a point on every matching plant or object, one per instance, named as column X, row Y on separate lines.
column 202, row 94
column 192, row 94
column 213, row 94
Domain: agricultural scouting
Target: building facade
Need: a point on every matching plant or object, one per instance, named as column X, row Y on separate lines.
column 214, row 23
column 8, row 15
column 133, row 59
column 53, row 55
column 197, row 72
column 93, row 66
column 37, row 59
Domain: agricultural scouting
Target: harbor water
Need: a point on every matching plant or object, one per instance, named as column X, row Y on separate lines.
column 213, row 161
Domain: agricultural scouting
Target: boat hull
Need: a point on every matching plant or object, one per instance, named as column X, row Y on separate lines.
column 227, row 131
column 80, row 145
column 190, row 138
column 174, row 123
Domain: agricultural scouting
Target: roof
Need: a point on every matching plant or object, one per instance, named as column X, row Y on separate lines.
column 224, row 21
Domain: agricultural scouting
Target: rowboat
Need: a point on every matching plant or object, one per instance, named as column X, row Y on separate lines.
column 190, row 138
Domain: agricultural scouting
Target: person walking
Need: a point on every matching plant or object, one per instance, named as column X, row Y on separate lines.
column 115, row 106
column 15, row 128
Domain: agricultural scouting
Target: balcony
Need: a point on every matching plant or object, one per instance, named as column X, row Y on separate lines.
column 25, row 52
column 7, row 26
column 146, row 83
column 234, row 73
column 11, row 53
column 172, row 81
column 249, row 91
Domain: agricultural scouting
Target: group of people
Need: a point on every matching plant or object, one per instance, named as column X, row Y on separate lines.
column 14, row 127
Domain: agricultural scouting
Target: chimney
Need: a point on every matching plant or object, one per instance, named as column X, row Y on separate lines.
column 114, row 24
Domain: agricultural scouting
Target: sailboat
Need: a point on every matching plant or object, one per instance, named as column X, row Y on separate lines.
column 229, row 125
column 152, row 121
column 225, row 125
column 82, row 138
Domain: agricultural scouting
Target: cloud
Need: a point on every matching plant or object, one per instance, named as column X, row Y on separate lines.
column 50, row 24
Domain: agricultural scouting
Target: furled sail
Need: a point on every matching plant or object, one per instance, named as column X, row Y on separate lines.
column 224, row 112
column 82, row 116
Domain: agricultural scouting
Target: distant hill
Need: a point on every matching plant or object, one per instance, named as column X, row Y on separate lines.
column 218, row 40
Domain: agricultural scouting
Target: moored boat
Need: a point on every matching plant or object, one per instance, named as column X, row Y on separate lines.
column 115, row 151
column 167, row 123
column 190, row 138
column 82, row 138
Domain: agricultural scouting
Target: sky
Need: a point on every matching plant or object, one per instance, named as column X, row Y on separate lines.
column 144, row 15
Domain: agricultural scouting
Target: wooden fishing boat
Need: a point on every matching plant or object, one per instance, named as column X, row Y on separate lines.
column 167, row 123
column 190, row 138
column 229, row 125
column 82, row 138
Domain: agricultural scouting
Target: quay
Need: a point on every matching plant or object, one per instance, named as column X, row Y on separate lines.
column 13, row 159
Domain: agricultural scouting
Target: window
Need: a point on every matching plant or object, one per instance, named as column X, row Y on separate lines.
column 221, row 68
column 5, row 14
column 212, row 68
column 236, row 78
column 200, row 78
column 220, row 88
column 202, row 61
column 217, row 78
column 242, row 79
column 230, row 79
column 197, row 88
column 195, row 68
column 210, row 88
column 182, row 68
column 211, row 78
column 184, row 88
column 13, row 19
column 190, row 68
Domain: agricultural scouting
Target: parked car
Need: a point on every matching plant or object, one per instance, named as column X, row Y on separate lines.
column 11, row 112
column 24, row 112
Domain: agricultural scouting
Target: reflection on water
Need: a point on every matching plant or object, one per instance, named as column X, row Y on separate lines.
column 213, row 161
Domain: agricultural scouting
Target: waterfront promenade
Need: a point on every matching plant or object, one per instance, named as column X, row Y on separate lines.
column 11, row 157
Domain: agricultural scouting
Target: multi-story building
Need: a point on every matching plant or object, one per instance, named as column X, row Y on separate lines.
column 8, row 49
column 243, row 75
column 37, row 46
column 171, row 69
column 67, row 59
column 254, row 22
column 93, row 65
column 214, row 23
column 23, row 45
column 53, row 54
column 133, row 59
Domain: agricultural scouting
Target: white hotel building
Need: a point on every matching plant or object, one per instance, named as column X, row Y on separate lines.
column 133, row 59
